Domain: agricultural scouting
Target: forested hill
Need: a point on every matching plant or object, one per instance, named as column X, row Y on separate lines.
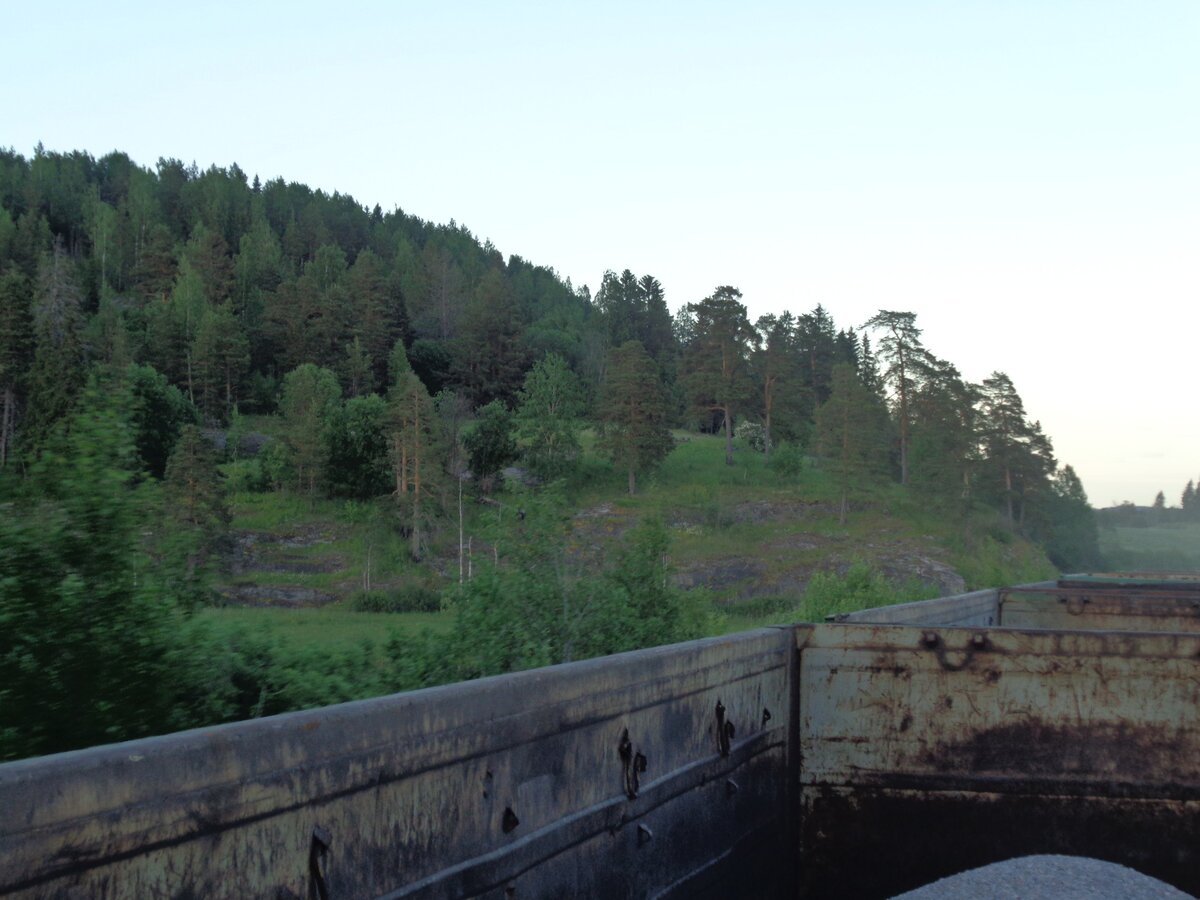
column 224, row 285
column 218, row 390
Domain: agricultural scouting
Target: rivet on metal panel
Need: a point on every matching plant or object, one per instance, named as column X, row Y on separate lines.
column 318, row 849
column 725, row 730
column 509, row 820
column 731, row 787
column 929, row 638
column 979, row 640
column 644, row 835
column 766, row 717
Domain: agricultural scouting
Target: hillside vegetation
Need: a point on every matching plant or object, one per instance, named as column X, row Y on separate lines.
column 240, row 422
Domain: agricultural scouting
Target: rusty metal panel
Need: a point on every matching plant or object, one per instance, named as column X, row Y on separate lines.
column 605, row 778
column 930, row 750
column 1101, row 608
column 975, row 608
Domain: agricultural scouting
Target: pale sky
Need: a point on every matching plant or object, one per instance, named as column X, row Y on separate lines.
column 1025, row 176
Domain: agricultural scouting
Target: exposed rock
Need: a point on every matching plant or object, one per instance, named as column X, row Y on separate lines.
column 285, row 595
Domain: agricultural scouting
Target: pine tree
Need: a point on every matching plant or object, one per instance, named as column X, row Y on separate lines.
column 945, row 435
column 816, row 345
column 221, row 358
column 196, row 513
column 900, row 347
column 717, row 360
column 58, row 371
column 491, row 358
column 778, row 375
column 415, row 443
column 633, row 413
column 15, row 351
column 851, row 434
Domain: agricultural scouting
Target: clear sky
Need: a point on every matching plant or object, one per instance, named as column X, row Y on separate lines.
column 1025, row 176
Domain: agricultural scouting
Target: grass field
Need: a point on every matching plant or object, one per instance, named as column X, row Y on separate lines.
column 335, row 628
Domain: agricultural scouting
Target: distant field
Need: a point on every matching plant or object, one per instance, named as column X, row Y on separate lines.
column 1160, row 548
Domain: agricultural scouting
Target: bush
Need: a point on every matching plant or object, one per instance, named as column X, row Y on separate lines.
column 753, row 435
column 788, row 460
column 410, row 597
column 245, row 476
column 861, row 587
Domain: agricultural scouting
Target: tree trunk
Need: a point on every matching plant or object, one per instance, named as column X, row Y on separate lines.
column 415, row 552
column 902, row 390
column 1008, row 494
column 728, row 438
column 7, row 420
column 632, row 480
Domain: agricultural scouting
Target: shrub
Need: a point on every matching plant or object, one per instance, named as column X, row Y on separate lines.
column 788, row 460
column 753, row 435
column 245, row 476
column 408, row 597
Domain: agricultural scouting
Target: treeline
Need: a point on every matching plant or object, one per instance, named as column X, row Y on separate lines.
column 1131, row 515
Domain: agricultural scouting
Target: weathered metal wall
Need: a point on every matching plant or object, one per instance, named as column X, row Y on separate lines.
column 1101, row 608
column 926, row 751
column 975, row 608
column 608, row 778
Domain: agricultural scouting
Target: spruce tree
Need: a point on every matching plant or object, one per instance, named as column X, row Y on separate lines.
column 851, row 434
column 633, row 413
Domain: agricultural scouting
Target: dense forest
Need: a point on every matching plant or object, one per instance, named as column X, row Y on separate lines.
column 146, row 314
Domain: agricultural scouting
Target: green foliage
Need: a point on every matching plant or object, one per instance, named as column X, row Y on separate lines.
column 409, row 597
column 633, row 413
column 91, row 644
column 788, row 460
column 490, row 444
column 717, row 359
column 196, row 519
column 358, row 448
column 851, row 434
column 550, row 404
column 859, row 587
column 246, row 476
column 543, row 604
column 753, row 435
column 308, row 405
column 159, row 412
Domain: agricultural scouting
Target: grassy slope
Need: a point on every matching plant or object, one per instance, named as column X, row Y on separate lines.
column 750, row 536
